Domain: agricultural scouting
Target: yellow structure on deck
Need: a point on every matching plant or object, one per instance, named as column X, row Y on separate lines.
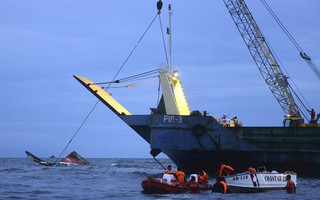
column 175, row 101
column 173, row 94
column 103, row 96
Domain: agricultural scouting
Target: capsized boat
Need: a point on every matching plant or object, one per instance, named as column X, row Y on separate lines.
column 38, row 160
column 258, row 182
column 72, row 159
column 167, row 185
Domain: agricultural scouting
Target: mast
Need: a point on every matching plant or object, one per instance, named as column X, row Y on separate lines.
column 169, row 33
column 174, row 101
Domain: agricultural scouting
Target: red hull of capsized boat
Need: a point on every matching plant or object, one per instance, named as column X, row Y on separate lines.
column 73, row 161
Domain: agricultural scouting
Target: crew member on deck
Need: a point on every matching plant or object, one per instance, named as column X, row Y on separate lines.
column 168, row 170
column 291, row 187
column 181, row 177
column 223, row 120
column 220, row 186
column 235, row 120
column 225, row 170
column 203, row 177
column 313, row 114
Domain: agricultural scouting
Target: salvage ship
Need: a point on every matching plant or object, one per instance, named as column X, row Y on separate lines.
column 203, row 141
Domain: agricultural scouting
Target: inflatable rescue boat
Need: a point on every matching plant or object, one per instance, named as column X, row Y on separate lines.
column 168, row 185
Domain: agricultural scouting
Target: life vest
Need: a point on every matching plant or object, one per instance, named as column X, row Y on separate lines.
column 167, row 171
column 180, row 175
column 204, row 177
column 226, row 169
column 290, row 186
column 225, row 187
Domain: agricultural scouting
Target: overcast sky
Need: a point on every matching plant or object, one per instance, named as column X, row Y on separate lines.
column 44, row 43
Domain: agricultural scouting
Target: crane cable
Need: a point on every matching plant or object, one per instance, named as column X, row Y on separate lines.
column 158, row 13
column 282, row 67
column 130, row 78
column 136, row 84
column 163, row 41
column 303, row 113
column 302, row 53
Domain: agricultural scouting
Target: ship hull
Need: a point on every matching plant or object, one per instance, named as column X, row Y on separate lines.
column 201, row 142
column 303, row 163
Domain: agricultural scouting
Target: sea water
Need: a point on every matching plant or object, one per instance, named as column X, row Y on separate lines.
column 20, row 178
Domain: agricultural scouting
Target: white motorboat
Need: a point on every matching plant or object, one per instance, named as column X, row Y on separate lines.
column 258, row 182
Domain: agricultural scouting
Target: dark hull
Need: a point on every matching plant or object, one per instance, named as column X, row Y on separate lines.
column 192, row 161
column 194, row 143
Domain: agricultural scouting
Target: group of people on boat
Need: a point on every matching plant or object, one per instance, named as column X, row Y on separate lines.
column 233, row 122
column 194, row 183
column 220, row 185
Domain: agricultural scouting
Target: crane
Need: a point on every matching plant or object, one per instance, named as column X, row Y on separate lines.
column 261, row 53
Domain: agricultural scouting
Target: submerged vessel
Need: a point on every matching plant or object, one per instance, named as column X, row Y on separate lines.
column 72, row 159
column 202, row 141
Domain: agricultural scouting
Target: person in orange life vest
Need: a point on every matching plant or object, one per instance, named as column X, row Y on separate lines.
column 291, row 187
column 224, row 170
column 220, row 185
column 193, row 185
column 203, row 177
column 252, row 170
column 180, row 175
column 168, row 170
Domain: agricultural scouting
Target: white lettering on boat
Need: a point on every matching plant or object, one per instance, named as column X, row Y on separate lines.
column 172, row 119
column 275, row 178
column 239, row 178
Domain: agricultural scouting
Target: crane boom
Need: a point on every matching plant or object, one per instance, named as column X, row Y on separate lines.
column 262, row 55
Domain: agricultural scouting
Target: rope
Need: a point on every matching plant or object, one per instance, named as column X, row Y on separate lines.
column 313, row 67
column 300, row 103
column 148, row 73
column 140, row 83
column 302, row 54
column 77, row 131
column 125, row 86
column 164, row 43
column 282, row 67
column 159, row 163
column 109, row 83
column 132, row 51
column 282, row 26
